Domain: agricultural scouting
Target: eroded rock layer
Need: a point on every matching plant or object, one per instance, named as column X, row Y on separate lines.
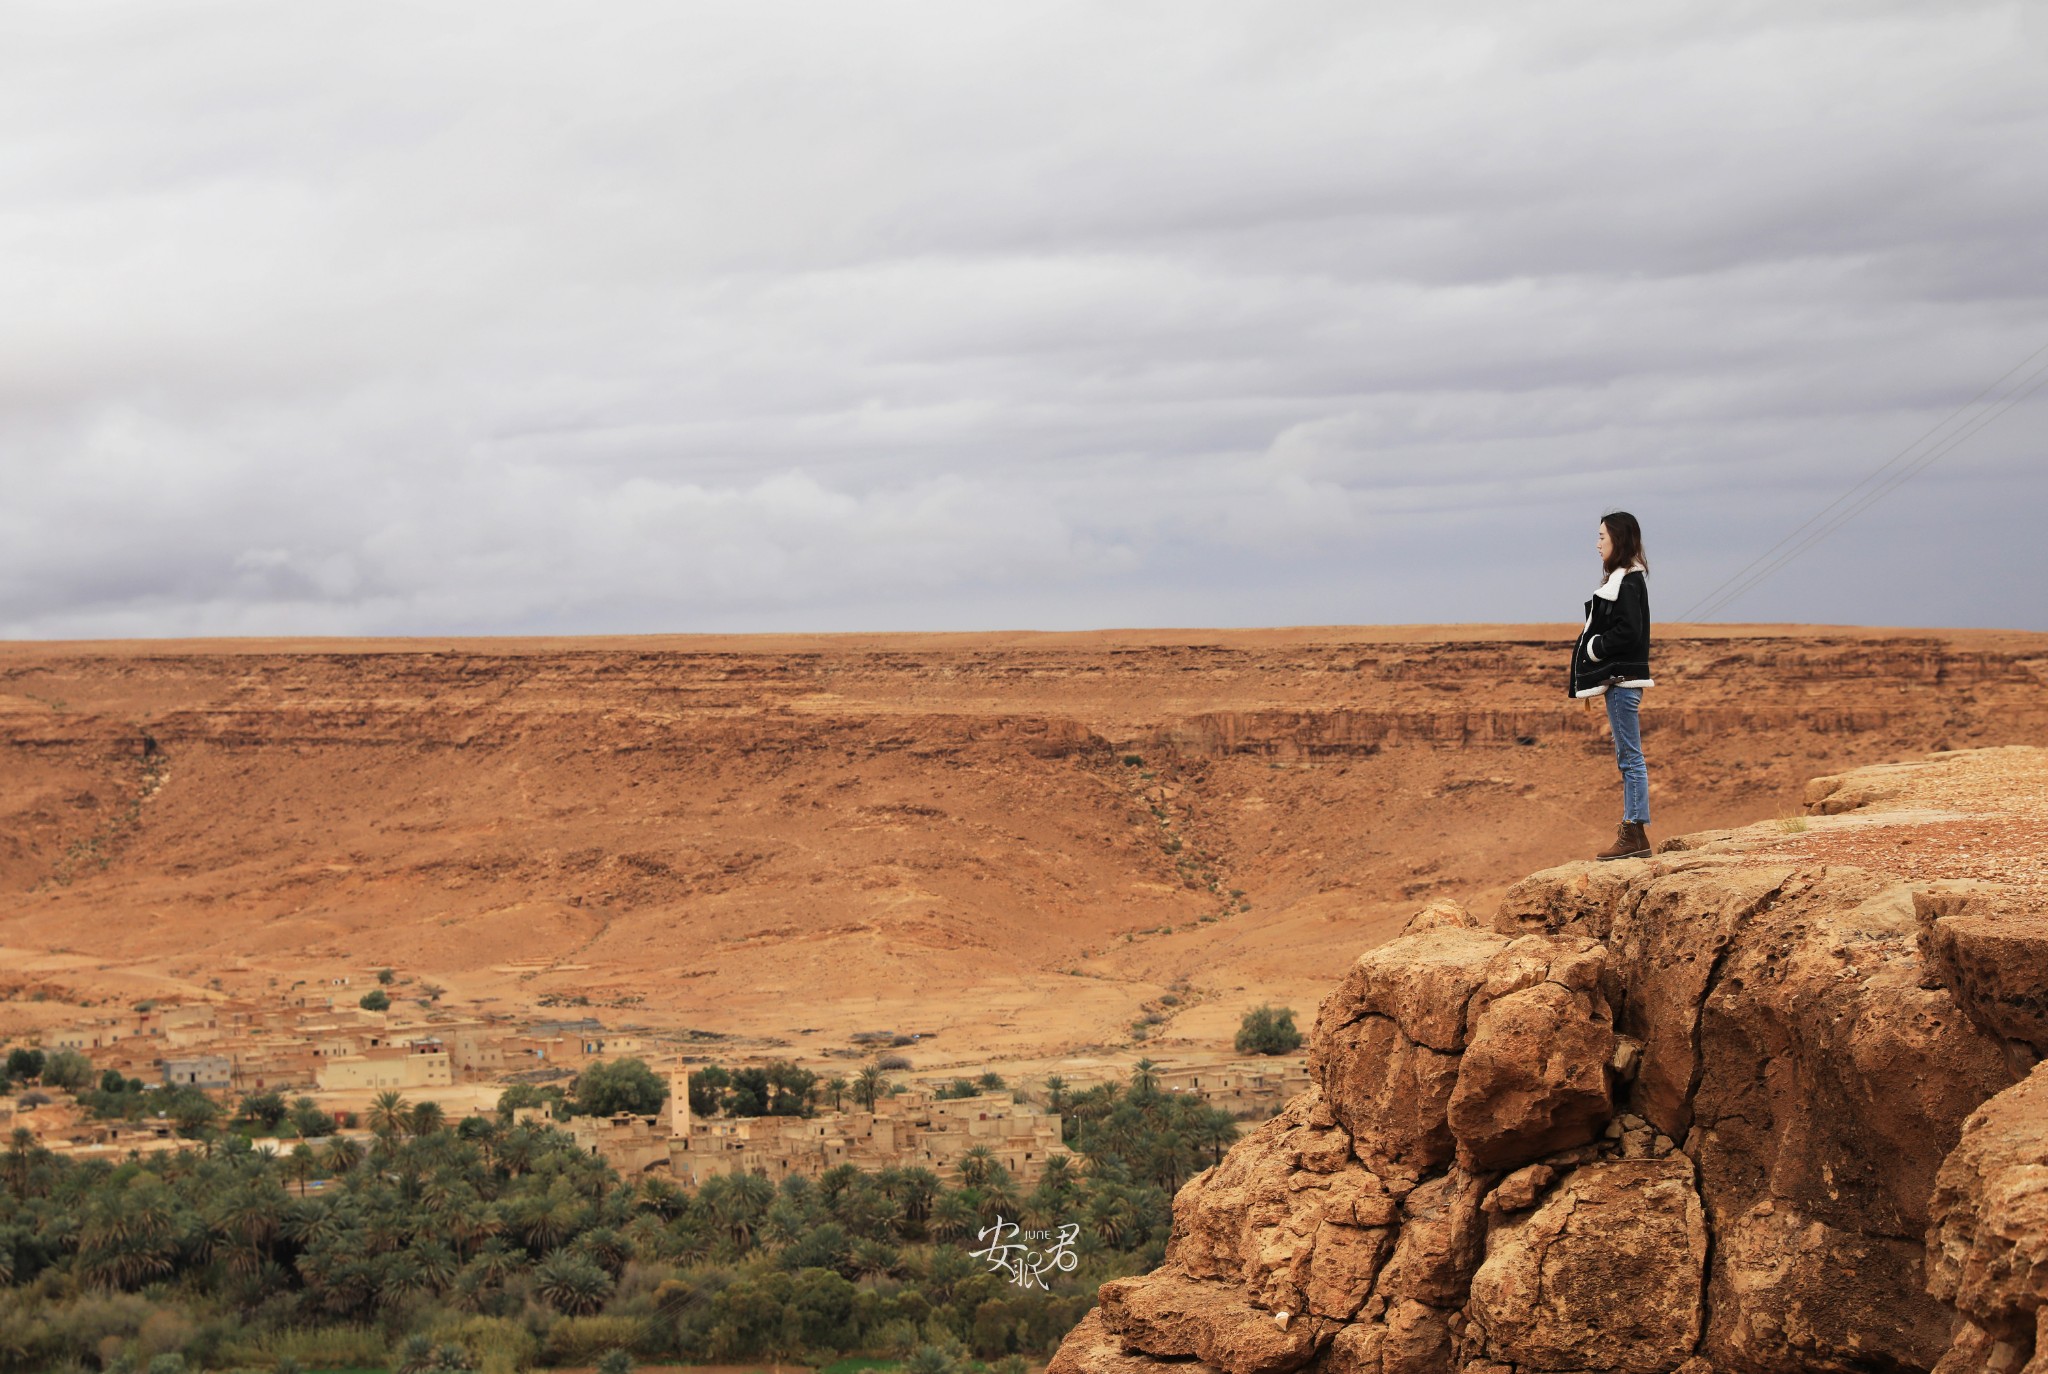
column 1713, row 1110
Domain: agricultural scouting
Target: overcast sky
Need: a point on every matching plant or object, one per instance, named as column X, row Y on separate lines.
column 667, row 316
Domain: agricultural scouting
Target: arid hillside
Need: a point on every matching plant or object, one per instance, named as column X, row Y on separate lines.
column 1019, row 842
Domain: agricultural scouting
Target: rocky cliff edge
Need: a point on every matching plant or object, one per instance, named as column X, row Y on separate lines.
column 1766, row 1101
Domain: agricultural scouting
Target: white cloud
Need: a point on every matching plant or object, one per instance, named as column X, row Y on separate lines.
column 467, row 317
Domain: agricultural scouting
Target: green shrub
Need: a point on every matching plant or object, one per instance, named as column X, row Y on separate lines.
column 623, row 1085
column 494, row 1345
column 26, row 1340
column 97, row 1318
column 165, row 1331
column 585, row 1340
column 67, row 1069
column 330, row 1347
column 376, row 999
column 1268, row 1030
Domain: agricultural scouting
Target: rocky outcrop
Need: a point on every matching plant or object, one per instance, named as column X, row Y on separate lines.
column 1987, row 1244
column 1700, row 1112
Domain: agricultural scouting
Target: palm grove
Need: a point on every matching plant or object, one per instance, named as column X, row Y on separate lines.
column 501, row 1244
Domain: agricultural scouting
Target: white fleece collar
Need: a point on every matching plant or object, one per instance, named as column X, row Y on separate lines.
column 1610, row 590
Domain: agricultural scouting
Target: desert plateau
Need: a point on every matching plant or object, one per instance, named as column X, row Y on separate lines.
column 1010, row 846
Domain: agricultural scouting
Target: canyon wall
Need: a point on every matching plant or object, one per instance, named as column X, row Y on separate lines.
column 1025, row 840
column 1741, row 1106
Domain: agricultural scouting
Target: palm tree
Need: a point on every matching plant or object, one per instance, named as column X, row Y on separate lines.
column 956, row 1214
column 426, row 1118
column 867, row 1211
column 1056, row 1095
column 496, row 1262
column 1144, row 1081
column 388, row 1113
column 343, row 1155
column 1216, row 1129
column 129, row 1235
column 868, row 1085
column 546, row 1220
column 24, row 1154
column 835, row 1088
column 1111, row 1216
column 999, row 1196
column 606, row 1248
column 735, row 1206
column 416, row 1354
column 242, row 1224
column 874, row 1259
column 661, row 1197
column 571, row 1284
column 519, row 1149
column 918, row 1190
column 975, row 1166
column 1058, row 1175
column 484, row 1132
column 470, row 1224
column 300, row 1164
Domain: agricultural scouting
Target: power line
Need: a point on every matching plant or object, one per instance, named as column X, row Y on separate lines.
column 1864, row 503
column 1872, row 498
column 1822, row 523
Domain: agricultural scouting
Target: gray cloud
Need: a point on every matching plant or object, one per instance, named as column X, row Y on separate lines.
column 456, row 317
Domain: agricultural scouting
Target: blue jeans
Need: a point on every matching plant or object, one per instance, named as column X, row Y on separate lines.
column 1622, row 706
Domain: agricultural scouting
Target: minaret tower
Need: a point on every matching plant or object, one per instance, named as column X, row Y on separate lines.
column 679, row 1101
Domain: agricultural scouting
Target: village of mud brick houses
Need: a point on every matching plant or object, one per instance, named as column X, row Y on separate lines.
column 318, row 1041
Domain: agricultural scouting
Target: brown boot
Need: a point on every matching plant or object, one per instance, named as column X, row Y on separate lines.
column 1631, row 841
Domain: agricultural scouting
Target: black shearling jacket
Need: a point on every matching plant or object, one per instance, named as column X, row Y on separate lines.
column 1613, row 649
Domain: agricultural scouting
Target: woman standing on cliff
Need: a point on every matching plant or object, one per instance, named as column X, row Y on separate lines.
column 1612, row 659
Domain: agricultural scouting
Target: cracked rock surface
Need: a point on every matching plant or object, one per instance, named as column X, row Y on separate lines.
column 1706, row 1111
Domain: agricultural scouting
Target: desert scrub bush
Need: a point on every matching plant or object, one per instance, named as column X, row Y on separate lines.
column 67, row 1069
column 492, row 1345
column 96, row 1319
column 166, row 1331
column 26, row 1339
column 585, row 1340
column 897, row 1062
column 376, row 999
column 329, row 1347
column 1268, row 1030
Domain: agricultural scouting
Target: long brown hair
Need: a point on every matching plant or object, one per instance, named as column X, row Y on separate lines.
column 1627, row 537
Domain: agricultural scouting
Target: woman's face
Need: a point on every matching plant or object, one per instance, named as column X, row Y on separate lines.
column 1605, row 543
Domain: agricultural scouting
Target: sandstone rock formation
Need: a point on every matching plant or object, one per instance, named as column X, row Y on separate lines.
column 1707, row 1111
